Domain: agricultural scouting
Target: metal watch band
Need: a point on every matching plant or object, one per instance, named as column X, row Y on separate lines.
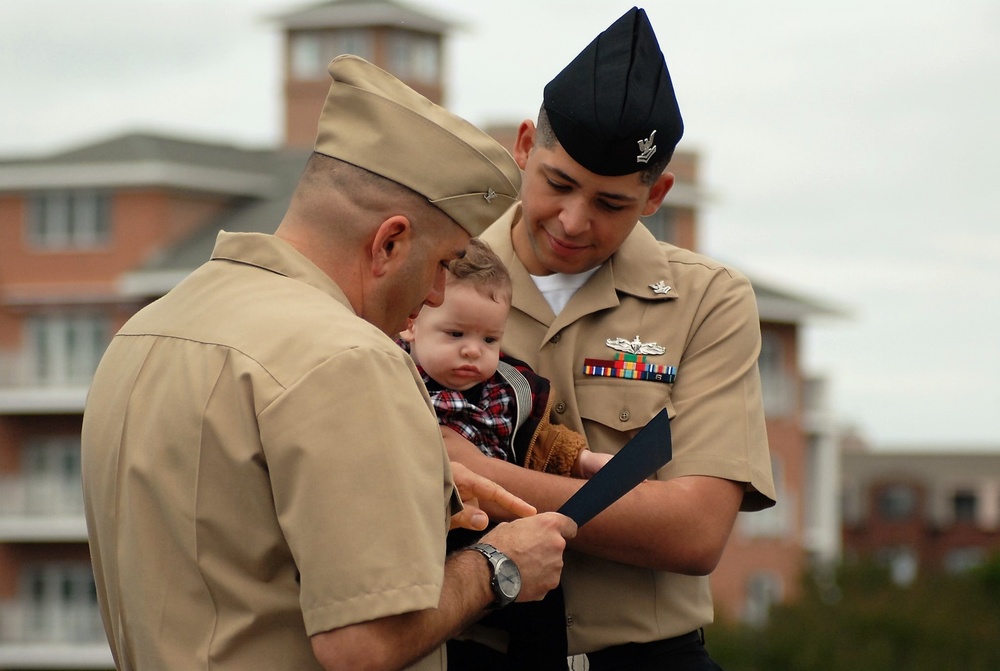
column 493, row 557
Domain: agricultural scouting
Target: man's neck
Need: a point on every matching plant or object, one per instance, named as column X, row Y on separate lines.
column 521, row 241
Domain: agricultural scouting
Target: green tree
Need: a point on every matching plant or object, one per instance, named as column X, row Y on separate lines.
column 862, row 621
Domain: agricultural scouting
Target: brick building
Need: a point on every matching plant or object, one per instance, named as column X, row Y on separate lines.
column 921, row 511
column 91, row 234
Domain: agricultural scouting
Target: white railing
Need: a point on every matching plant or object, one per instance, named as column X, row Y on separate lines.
column 18, row 370
column 37, row 509
column 45, row 656
column 23, row 390
column 42, row 495
column 23, row 622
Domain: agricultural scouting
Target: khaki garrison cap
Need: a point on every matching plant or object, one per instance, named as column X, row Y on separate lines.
column 374, row 121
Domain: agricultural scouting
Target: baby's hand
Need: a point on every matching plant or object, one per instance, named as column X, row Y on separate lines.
column 588, row 463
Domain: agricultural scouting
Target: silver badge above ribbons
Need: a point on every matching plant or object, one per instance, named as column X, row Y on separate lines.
column 634, row 346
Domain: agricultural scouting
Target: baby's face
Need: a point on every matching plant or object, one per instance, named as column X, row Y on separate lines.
column 458, row 343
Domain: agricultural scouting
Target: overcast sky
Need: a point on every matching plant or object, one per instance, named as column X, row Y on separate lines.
column 851, row 150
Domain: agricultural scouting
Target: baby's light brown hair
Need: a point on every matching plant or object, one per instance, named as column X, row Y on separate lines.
column 484, row 270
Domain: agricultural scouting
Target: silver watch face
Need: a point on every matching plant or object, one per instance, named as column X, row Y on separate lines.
column 508, row 578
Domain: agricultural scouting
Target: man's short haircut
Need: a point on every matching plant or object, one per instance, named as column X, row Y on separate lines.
column 483, row 269
column 365, row 187
column 545, row 137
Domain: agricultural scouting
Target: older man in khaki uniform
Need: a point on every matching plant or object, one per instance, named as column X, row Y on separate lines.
column 625, row 326
column 265, row 481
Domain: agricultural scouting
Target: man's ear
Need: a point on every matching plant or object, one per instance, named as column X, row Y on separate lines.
column 525, row 143
column 657, row 193
column 407, row 333
column 392, row 244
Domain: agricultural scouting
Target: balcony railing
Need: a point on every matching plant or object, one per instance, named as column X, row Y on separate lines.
column 41, row 508
column 45, row 656
column 24, row 390
column 67, row 636
column 25, row 622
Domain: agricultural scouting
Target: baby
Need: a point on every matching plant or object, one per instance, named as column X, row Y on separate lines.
column 499, row 404
column 494, row 401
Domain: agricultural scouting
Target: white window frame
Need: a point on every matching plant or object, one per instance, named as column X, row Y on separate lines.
column 663, row 224
column 50, row 468
column 777, row 383
column 311, row 51
column 357, row 41
column 307, row 56
column 65, row 348
column 59, row 602
column 415, row 57
column 776, row 521
column 897, row 502
column 69, row 219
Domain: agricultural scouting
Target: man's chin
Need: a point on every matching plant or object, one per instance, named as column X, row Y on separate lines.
column 395, row 331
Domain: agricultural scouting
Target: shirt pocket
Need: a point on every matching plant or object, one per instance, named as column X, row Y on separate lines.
column 622, row 405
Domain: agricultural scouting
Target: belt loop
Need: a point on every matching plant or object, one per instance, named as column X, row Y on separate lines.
column 701, row 635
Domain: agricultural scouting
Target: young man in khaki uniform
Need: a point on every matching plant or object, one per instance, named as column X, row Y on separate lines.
column 625, row 326
column 265, row 481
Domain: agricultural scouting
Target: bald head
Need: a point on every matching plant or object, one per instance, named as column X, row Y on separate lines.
column 342, row 202
column 366, row 232
column 337, row 207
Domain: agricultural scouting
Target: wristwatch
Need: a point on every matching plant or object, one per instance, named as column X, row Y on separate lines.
column 506, row 581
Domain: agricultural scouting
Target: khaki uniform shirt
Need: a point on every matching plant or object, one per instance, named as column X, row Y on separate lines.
column 708, row 324
column 260, row 465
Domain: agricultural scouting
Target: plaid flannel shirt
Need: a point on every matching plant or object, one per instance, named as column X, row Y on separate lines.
column 488, row 418
column 482, row 415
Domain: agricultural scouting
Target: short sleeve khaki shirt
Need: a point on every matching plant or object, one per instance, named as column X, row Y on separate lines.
column 704, row 315
column 260, row 465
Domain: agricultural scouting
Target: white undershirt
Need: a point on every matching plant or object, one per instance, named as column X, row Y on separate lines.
column 558, row 288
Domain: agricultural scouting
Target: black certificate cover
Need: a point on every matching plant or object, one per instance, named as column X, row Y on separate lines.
column 640, row 457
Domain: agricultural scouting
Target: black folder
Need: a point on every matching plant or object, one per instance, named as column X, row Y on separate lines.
column 640, row 457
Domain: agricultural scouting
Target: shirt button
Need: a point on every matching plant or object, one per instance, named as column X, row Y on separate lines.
column 554, row 339
column 623, row 415
column 569, row 620
column 560, row 407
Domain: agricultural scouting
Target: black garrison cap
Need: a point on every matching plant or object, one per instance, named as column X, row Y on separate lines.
column 613, row 107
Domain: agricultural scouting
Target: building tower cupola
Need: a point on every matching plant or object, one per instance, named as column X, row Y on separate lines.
column 403, row 41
